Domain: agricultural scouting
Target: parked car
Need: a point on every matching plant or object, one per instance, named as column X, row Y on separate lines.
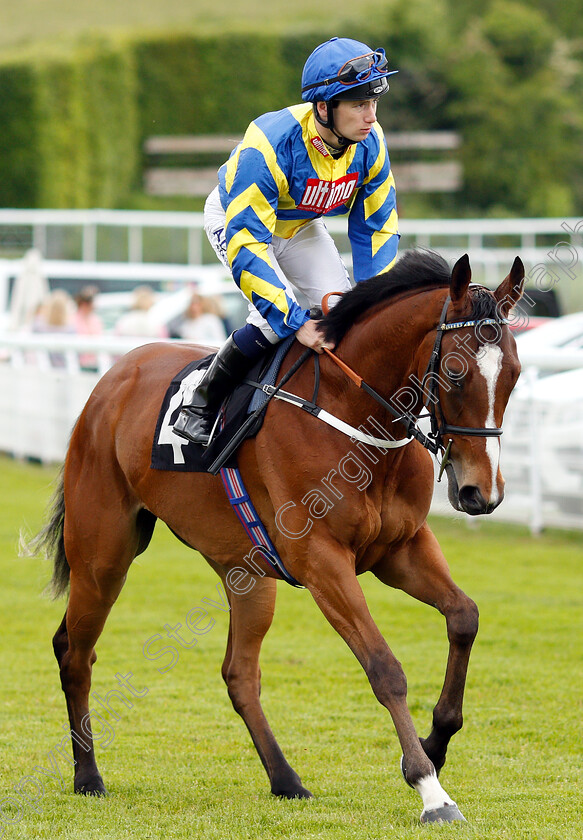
column 173, row 285
column 537, row 308
column 565, row 331
column 170, row 305
column 543, row 429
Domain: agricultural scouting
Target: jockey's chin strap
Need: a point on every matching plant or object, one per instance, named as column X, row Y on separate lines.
column 433, row 442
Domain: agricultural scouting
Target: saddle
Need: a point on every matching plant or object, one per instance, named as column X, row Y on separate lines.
column 171, row 452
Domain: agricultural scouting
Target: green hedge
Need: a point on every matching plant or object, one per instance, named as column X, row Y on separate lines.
column 69, row 135
column 73, row 123
column 19, row 165
column 190, row 85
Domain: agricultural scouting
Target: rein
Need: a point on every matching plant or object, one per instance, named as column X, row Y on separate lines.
column 412, row 429
column 433, row 442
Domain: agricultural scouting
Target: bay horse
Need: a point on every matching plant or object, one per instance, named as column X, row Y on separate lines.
column 421, row 331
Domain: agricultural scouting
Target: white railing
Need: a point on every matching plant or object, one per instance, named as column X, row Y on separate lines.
column 43, row 230
column 43, row 388
column 21, row 350
column 23, row 229
column 551, row 249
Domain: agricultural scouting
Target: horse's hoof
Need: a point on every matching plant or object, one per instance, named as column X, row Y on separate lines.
column 92, row 788
column 298, row 792
column 445, row 814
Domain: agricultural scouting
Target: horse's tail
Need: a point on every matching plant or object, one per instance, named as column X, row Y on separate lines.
column 50, row 541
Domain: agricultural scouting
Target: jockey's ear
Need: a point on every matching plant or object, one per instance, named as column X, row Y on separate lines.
column 459, row 284
column 510, row 289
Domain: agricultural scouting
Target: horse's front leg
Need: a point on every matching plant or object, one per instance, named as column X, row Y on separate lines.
column 420, row 569
column 335, row 588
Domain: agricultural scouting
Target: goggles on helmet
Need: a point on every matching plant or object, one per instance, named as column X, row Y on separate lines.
column 356, row 70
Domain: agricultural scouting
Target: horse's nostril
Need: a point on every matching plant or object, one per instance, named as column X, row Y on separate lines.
column 472, row 501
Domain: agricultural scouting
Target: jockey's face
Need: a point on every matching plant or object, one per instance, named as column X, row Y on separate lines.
column 353, row 119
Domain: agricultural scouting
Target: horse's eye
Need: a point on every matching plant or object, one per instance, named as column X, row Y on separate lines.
column 456, row 379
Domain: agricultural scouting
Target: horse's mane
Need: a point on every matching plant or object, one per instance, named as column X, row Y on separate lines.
column 415, row 270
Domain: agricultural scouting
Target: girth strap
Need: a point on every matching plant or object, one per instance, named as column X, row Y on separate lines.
column 243, row 506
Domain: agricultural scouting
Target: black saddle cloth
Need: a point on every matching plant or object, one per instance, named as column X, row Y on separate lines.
column 171, row 452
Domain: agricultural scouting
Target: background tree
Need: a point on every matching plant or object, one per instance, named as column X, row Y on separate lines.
column 516, row 88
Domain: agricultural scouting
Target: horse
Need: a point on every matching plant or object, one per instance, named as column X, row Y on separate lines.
column 334, row 507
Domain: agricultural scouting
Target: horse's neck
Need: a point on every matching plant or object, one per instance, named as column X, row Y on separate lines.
column 390, row 348
column 387, row 346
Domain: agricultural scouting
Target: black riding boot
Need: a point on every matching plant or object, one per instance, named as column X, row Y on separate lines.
column 227, row 369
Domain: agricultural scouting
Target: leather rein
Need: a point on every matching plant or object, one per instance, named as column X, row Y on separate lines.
column 433, row 441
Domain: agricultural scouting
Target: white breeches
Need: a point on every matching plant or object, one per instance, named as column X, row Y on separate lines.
column 309, row 262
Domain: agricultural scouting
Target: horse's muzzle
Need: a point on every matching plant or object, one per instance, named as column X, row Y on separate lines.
column 468, row 498
column 471, row 501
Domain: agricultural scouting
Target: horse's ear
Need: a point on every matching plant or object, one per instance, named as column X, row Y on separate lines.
column 460, row 280
column 510, row 289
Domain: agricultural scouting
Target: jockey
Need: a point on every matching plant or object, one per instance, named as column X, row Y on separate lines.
column 325, row 157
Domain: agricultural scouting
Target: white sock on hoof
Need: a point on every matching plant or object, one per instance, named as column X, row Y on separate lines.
column 432, row 794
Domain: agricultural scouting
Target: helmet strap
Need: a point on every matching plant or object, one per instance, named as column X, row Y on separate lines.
column 329, row 124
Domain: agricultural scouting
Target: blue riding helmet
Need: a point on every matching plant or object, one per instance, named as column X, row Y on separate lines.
column 343, row 68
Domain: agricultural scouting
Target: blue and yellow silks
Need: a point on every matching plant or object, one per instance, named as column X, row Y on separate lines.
column 281, row 176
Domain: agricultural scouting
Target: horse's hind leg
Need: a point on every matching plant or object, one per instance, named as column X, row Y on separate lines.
column 100, row 550
column 251, row 616
column 421, row 570
column 87, row 777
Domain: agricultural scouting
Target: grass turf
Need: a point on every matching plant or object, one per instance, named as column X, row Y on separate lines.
column 179, row 762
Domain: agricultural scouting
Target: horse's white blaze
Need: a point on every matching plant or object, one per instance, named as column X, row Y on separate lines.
column 490, row 364
column 432, row 794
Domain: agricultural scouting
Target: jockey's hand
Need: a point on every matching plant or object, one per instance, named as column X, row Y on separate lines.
column 310, row 336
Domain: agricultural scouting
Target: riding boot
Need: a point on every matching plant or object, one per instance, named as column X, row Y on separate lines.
column 195, row 421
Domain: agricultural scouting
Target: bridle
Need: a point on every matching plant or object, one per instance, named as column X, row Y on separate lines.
column 439, row 427
column 433, row 441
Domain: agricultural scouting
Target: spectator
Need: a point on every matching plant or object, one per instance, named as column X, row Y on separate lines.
column 55, row 315
column 87, row 322
column 215, row 305
column 200, row 323
column 140, row 321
